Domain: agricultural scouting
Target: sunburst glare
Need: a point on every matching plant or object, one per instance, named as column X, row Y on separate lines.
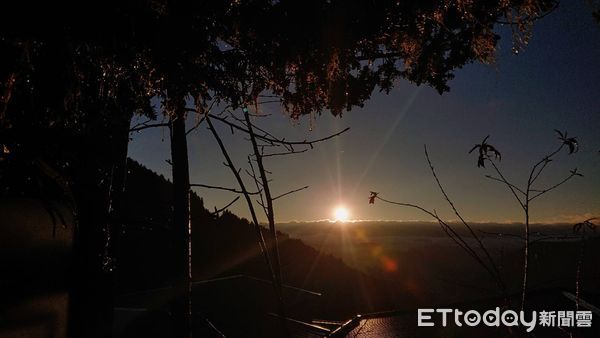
column 341, row 214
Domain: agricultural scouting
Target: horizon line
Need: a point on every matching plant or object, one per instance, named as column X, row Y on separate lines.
column 327, row 220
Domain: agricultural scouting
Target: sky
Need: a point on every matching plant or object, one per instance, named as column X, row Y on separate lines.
column 519, row 100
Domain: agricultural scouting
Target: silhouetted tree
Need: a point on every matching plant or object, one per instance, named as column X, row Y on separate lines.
column 94, row 64
column 528, row 193
column 66, row 104
column 523, row 195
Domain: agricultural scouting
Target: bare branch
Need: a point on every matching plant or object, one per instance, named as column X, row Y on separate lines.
column 312, row 142
column 445, row 226
column 270, row 101
column 203, row 115
column 290, row 192
column 533, row 175
column 272, row 140
column 196, row 125
column 147, row 126
column 454, row 236
column 255, row 127
column 508, row 184
column 543, row 191
column 218, row 211
column 479, row 242
column 258, row 184
column 544, row 164
column 143, row 123
column 283, row 153
column 270, row 213
column 505, row 182
column 259, row 115
column 257, row 227
column 224, row 188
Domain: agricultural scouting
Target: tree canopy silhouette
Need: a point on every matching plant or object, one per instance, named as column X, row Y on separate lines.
column 315, row 55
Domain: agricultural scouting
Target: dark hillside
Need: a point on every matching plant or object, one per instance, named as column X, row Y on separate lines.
column 226, row 245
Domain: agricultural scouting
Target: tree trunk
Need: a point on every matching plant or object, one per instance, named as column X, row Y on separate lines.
column 525, row 259
column 90, row 311
column 272, row 231
column 97, row 188
column 181, row 309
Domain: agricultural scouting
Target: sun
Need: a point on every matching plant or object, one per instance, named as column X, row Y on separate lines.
column 341, row 214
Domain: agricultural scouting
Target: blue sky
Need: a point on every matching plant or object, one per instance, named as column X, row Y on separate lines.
column 519, row 100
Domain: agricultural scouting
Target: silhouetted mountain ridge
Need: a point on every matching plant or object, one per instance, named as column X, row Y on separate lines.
column 226, row 245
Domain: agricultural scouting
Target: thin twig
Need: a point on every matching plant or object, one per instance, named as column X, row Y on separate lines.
column 202, row 115
column 268, row 199
column 275, row 140
column 285, row 153
column 479, row 242
column 543, row 162
column 508, row 184
column 257, row 227
column 147, row 126
column 224, row 188
column 258, row 184
column 502, row 181
column 270, row 218
column 541, row 192
column 290, row 192
column 218, row 211
column 449, row 230
column 196, row 125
